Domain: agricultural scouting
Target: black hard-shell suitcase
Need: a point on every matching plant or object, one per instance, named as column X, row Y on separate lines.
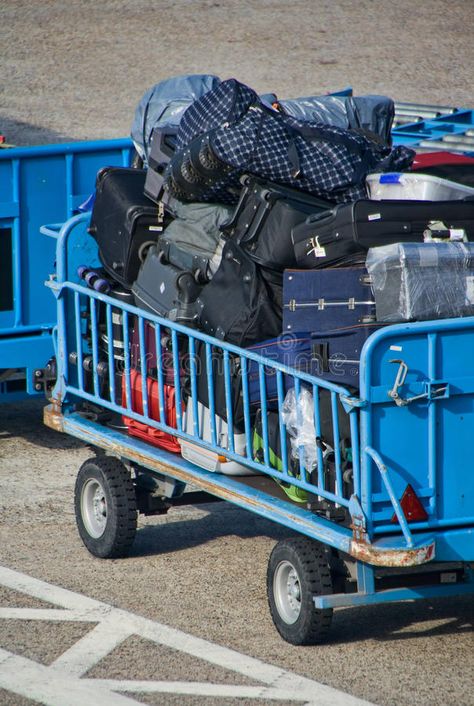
column 328, row 298
column 165, row 290
column 263, row 219
column 346, row 232
column 123, row 220
column 187, row 259
column 162, row 148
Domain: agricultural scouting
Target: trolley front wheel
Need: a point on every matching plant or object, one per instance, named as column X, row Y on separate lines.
column 297, row 570
column 105, row 507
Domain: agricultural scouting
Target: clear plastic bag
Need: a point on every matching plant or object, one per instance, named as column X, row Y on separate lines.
column 298, row 417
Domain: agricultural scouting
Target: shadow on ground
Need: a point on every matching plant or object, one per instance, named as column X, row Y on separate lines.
column 22, row 134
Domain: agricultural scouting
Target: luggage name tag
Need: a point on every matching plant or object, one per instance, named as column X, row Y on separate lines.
column 159, row 228
column 439, row 232
column 315, row 248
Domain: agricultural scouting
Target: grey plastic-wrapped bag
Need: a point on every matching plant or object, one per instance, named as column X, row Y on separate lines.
column 373, row 113
column 163, row 105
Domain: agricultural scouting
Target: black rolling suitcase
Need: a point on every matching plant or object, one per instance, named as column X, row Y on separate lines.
column 346, row 232
column 264, row 217
column 123, row 220
column 166, row 290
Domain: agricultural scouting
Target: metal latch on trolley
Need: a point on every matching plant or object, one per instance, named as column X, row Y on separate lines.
column 432, row 390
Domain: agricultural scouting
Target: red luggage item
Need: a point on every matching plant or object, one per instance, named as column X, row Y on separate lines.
column 166, row 356
column 433, row 159
column 144, row 431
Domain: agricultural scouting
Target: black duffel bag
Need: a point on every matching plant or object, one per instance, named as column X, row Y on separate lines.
column 242, row 304
column 216, row 144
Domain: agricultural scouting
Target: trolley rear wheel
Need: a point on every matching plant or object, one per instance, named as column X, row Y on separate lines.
column 105, row 507
column 298, row 569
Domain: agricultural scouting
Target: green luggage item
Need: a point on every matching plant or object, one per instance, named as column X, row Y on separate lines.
column 296, row 494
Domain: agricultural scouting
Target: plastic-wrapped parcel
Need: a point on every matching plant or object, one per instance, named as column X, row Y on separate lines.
column 374, row 113
column 163, row 105
column 297, row 414
column 422, row 281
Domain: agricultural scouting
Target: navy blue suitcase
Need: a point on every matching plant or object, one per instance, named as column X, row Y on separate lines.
column 316, row 300
column 294, row 351
column 336, row 352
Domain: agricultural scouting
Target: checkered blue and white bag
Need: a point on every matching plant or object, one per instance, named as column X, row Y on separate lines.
column 230, row 132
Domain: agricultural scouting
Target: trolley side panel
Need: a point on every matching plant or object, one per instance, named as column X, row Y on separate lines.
column 423, row 427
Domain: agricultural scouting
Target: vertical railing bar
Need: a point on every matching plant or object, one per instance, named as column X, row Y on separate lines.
column 302, row 466
column 228, row 401
column 110, row 351
column 126, row 361
column 210, row 392
column 317, row 432
column 194, row 394
column 159, row 371
column 336, row 443
column 78, row 322
column 63, row 354
column 177, row 382
column 126, row 157
column 355, row 452
column 95, row 346
column 69, row 159
column 16, row 244
column 246, row 404
column 432, row 415
column 263, row 407
column 282, row 427
column 143, row 364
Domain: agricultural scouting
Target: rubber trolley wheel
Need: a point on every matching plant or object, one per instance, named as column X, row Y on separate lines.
column 298, row 569
column 105, row 507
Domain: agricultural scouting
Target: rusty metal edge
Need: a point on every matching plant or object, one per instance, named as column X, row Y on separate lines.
column 276, row 510
column 360, row 550
column 53, row 418
column 371, row 554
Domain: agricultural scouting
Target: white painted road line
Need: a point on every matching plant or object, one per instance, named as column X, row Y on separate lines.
column 63, row 683
column 53, row 687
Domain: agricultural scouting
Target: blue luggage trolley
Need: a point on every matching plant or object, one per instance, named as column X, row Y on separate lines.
column 394, row 520
column 38, row 184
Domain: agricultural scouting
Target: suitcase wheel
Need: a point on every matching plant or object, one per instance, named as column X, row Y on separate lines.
column 188, row 172
column 207, row 158
column 162, row 258
column 200, row 277
column 143, row 249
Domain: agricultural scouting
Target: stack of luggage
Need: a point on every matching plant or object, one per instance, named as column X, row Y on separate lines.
column 269, row 225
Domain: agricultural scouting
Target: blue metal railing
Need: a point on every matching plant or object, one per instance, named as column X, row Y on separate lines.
column 94, row 369
column 117, row 393
column 99, row 363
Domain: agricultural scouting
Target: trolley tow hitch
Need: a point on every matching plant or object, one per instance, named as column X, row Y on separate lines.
column 433, row 390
